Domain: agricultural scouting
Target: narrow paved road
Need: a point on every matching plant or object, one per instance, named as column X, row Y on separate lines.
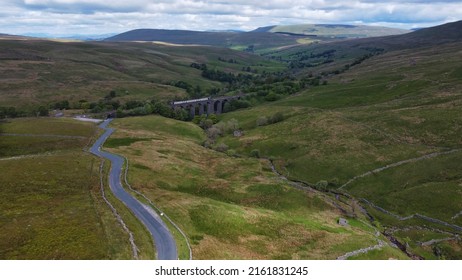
column 163, row 239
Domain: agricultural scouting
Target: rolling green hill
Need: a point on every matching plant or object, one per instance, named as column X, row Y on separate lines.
column 40, row 72
column 386, row 131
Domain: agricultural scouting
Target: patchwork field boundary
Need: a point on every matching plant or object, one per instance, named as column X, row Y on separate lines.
column 416, row 215
column 456, row 215
column 380, row 169
column 380, row 245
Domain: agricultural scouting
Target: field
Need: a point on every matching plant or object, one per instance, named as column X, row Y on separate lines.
column 231, row 208
column 388, row 130
column 50, row 195
column 37, row 73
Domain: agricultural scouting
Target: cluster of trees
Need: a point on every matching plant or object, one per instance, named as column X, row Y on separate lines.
column 236, row 104
column 135, row 108
column 215, row 129
column 259, row 88
column 9, row 112
column 303, row 55
column 249, row 69
column 140, row 108
column 219, row 129
column 204, row 121
column 357, row 61
column 195, row 91
column 13, row 112
column 220, row 76
column 108, row 104
column 229, row 60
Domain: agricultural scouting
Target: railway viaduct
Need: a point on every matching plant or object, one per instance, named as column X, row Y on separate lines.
column 205, row 105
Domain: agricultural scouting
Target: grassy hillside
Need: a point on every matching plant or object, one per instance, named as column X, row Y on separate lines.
column 232, row 208
column 50, row 198
column 390, row 111
column 35, row 73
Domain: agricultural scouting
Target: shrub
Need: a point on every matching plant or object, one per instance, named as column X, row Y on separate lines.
column 231, row 153
column 272, row 97
column 221, row 126
column 261, row 121
column 232, row 125
column 206, row 123
column 213, row 133
column 255, row 153
column 222, row 147
column 214, row 118
column 322, row 185
column 277, row 117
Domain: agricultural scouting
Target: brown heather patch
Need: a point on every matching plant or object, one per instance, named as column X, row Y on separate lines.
column 211, row 248
column 121, row 133
column 412, row 120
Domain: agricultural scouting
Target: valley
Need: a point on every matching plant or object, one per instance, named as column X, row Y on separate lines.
column 365, row 132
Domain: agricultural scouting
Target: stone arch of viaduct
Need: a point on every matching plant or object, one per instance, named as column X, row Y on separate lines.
column 206, row 105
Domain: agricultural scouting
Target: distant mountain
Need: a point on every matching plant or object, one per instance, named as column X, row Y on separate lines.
column 262, row 39
column 333, row 30
column 87, row 37
column 250, row 41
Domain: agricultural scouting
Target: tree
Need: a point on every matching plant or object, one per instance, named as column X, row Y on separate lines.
column 261, row 121
column 277, row 117
column 272, row 97
column 148, row 108
column 181, row 114
column 120, row 113
column 222, row 147
column 61, row 105
column 206, row 123
column 232, row 125
column 162, row 109
column 42, row 111
column 214, row 118
column 255, row 153
column 322, row 185
column 196, row 119
column 213, row 133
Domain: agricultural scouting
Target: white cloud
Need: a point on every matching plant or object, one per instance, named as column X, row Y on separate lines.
column 105, row 16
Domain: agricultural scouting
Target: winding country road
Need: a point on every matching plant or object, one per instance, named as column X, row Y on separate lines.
column 163, row 239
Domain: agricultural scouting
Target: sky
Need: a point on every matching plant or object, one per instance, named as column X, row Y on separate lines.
column 85, row 17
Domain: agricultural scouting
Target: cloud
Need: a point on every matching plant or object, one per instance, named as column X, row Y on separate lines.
column 62, row 17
